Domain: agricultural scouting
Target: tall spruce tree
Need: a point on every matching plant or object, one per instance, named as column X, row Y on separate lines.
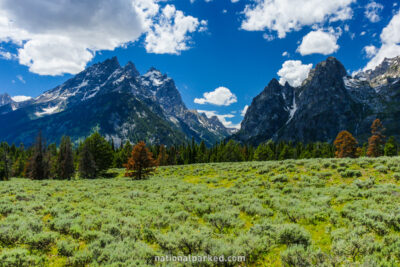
column 65, row 159
column 391, row 147
column 5, row 163
column 39, row 165
column 101, row 152
column 87, row 165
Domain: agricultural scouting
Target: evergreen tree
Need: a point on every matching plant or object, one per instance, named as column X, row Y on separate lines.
column 141, row 163
column 121, row 156
column 87, row 165
column 162, row 159
column 101, row 152
column 264, row 152
column 391, row 147
column 346, row 145
column 377, row 140
column 39, row 165
column 232, row 152
column 65, row 159
column 4, row 164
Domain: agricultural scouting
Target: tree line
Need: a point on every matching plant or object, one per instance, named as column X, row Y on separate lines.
column 92, row 157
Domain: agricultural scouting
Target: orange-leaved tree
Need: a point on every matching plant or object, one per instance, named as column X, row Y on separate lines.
column 162, row 159
column 141, row 162
column 377, row 141
column 346, row 145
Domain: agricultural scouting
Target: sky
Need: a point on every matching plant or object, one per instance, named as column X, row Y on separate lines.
column 220, row 53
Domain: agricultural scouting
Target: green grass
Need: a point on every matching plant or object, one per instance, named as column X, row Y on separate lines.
column 294, row 213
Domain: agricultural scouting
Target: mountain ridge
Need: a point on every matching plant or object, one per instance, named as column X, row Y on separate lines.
column 328, row 101
column 155, row 93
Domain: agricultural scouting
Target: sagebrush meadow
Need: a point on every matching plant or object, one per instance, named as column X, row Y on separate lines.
column 322, row 212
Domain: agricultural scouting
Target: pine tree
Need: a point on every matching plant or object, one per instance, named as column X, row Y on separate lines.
column 87, row 165
column 65, row 160
column 162, row 159
column 39, row 165
column 391, row 147
column 377, row 140
column 101, row 152
column 141, row 163
column 4, row 165
column 346, row 145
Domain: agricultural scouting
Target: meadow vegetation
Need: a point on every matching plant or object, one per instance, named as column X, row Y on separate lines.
column 309, row 212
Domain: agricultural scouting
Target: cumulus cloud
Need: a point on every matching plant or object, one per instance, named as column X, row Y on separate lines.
column 222, row 118
column 56, row 37
column 294, row 72
column 291, row 15
column 221, row 96
column 7, row 55
column 372, row 11
column 318, row 42
column 169, row 35
column 243, row 113
column 370, row 51
column 390, row 38
column 20, row 98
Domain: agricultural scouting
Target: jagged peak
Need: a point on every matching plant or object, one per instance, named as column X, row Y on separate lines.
column 131, row 68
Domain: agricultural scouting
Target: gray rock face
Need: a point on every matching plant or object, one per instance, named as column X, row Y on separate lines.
column 327, row 102
column 5, row 99
column 115, row 100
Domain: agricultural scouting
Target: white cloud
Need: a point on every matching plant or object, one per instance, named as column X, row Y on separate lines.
column 222, row 118
column 169, row 35
column 318, row 42
column 244, row 110
column 291, row 15
column 390, row 38
column 294, row 72
column 21, row 79
column 285, row 54
column 370, row 51
column 235, row 1
column 268, row 37
column 7, row 55
column 221, row 96
column 20, row 98
column 56, row 37
column 372, row 11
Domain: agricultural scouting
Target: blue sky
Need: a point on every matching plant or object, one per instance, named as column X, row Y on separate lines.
column 236, row 47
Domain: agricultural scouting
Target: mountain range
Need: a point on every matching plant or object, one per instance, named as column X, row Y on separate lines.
column 327, row 102
column 124, row 105
column 115, row 100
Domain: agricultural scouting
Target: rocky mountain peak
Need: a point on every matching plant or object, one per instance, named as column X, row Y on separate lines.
column 5, row 99
column 131, row 68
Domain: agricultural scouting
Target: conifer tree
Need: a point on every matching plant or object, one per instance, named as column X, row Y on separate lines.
column 141, row 163
column 4, row 165
column 391, row 147
column 162, row 159
column 87, row 165
column 377, row 140
column 39, row 165
column 346, row 145
column 65, row 159
column 101, row 152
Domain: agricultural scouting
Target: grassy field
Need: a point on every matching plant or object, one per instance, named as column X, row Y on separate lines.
column 290, row 213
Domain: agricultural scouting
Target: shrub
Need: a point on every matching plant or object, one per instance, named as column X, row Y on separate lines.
column 293, row 234
column 296, row 256
column 351, row 173
column 41, row 241
column 280, row 178
column 66, row 248
column 20, row 257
